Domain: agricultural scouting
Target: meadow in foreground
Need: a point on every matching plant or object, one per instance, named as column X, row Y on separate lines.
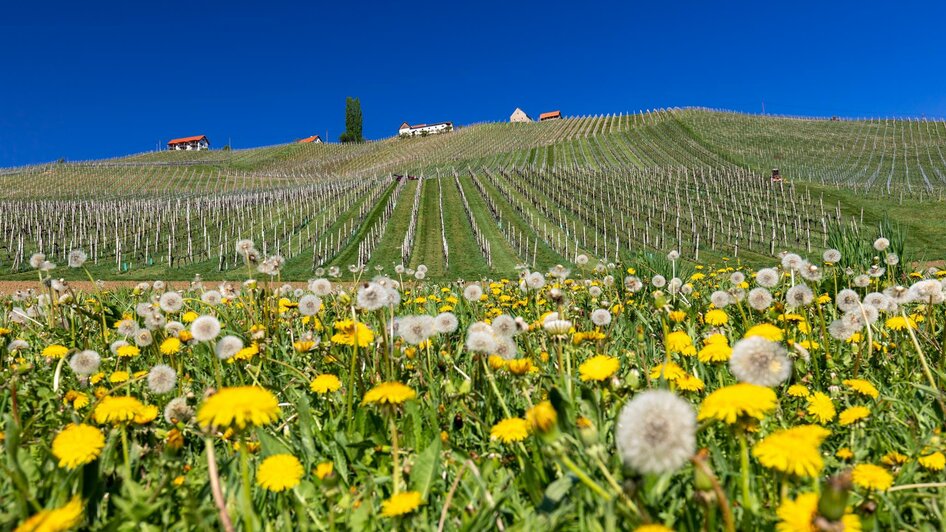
column 805, row 396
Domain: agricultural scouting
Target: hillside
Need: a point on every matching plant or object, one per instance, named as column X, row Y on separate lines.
column 490, row 196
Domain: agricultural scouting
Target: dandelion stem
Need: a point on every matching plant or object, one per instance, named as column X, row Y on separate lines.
column 249, row 519
column 492, row 384
column 744, row 466
column 585, row 479
column 396, row 468
column 926, row 367
column 215, row 489
column 127, row 461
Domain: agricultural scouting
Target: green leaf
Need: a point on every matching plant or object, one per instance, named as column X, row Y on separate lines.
column 306, row 427
column 555, row 493
column 426, row 468
column 270, row 445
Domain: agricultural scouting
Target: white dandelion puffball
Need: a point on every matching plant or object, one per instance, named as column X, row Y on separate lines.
column 162, row 379
column 758, row 361
column 656, row 432
column 601, row 317
column 228, row 346
column 205, row 328
column 309, row 305
column 473, row 292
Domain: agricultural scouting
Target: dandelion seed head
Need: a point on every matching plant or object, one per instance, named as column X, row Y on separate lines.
column 721, row 299
column 847, row 300
column 758, row 361
column 85, row 363
column 143, row 338
column 212, row 298
column 309, row 305
column 656, row 432
column 881, row 244
column 177, row 411
column 162, row 379
column 767, row 277
column 799, row 296
column 659, row 281
column 76, row 258
column 228, row 346
column 473, row 292
column 760, row 298
column 505, row 325
column 831, row 255
column 205, row 328
column 446, row 323
column 601, row 317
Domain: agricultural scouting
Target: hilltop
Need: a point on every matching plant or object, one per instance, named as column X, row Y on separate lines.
column 490, row 196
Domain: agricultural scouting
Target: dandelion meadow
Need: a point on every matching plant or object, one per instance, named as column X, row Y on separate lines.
column 655, row 394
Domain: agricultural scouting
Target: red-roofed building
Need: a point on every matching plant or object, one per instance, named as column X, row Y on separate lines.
column 314, row 139
column 198, row 142
column 552, row 115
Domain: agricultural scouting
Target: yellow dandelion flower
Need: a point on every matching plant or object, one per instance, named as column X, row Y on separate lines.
column 933, row 462
column 653, row 528
column 852, row 415
column 128, row 351
column 716, row 317
column 189, row 316
column 303, row 346
column 798, row 515
column 677, row 316
column 680, row 342
column 715, row 351
column 59, row 519
column 542, row 416
column 598, row 368
column 239, row 406
column 55, row 351
column 862, row 387
column 146, row 415
column 844, row 453
column 730, row 403
column 185, row 335
column 520, row 366
column 118, row 377
column 347, row 333
column 247, row 353
column 171, row 346
column 279, row 472
column 689, row 383
column 893, row 458
column 117, row 409
column 323, row 470
column 766, row 330
column 898, row 323
column 670, row 371
column 798, row 390
column 390, row 393
column 401, row 504
column 496, row 362
column 821, row 407
column 793, row 451
column 78, row 445
column 510, row 430
column 871, row 477
column 325, row 383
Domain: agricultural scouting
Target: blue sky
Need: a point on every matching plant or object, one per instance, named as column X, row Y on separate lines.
column 87, row 80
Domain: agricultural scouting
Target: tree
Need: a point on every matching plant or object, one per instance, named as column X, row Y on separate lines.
column 353, row 121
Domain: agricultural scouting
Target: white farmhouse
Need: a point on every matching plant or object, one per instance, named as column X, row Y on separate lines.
column 407, row 130
column 198, row 142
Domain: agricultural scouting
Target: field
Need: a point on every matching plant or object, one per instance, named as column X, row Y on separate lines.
column 503, row 195
column 600, row 323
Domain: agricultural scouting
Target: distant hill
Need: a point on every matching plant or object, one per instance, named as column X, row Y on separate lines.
column 493, row 195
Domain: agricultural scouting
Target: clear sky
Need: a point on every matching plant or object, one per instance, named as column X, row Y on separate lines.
column 85, row 80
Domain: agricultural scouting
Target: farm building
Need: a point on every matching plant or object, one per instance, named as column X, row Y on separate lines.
column 519, row 116
column 198, row 142
column 314, row 139
column 551, row 115
column 407, row 130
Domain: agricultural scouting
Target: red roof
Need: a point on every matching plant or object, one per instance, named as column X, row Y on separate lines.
column 307, row 140
column 187, row 139
column 551, row 114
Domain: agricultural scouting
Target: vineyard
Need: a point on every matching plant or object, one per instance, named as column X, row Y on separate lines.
column 488, row 198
